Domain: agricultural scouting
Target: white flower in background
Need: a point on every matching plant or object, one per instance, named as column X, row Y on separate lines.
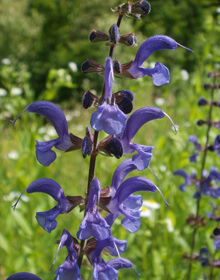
column 13, row 155
column 147, row 207
column 3, row 92
column 51, row 131
column 159, row 101
column 218, row 10
column 184, row 75
column 73, row 66
column 6, row 61
column 169, row 224
column 16, row 91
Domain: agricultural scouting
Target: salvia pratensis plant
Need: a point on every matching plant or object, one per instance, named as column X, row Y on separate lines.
column 111, row 116
column 206, row 183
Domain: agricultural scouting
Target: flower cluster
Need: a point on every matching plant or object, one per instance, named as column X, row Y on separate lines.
column 206, row 184
column 110, row 115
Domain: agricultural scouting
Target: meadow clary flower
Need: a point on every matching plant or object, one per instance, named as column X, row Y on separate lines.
column 134, row 123
column 69, row 269
column 108, row 116
column 93, row 224
column 44, row 152
column 189, row 180
column 198, row 147
column 47, row 219
column 106, row 270
column 23, row 276
column 160, row 73
column 123, row 202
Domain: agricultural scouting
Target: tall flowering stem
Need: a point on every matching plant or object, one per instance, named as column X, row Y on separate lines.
column 102, row 206
column 204, row 182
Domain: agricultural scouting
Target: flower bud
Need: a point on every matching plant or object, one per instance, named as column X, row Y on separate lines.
column 141, row 7
column 114, row 34
column 117, row 66
column 216, row 231
column 86, row 147
column 98, row 36
column 88, row 99
column 201, row 122
column 213, row 74
column 128, row 40
column 202, row 102
column 124, row 100
column 111, row 146
column 91, row 66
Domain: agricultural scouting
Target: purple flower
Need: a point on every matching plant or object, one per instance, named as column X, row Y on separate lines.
column 134, row 123
column 106, row 270
column 216, row 145
column 160, row 73
column 198, row 147
column 47, row 219
column 189, row 180
column 213, row 215
column 93, row 224
column 69, row 269
column 44, row 152
column 23, row 276
column 204, row 256
column 123, row 201
column 108, row 116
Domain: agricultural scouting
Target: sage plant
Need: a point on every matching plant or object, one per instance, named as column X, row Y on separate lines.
column 110, row 115
column 206, row 183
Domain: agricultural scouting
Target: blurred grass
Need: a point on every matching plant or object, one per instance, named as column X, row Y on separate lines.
column 155, row 252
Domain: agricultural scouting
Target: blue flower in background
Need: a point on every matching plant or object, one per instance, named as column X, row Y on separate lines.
column 160, row 73
column 108, row 116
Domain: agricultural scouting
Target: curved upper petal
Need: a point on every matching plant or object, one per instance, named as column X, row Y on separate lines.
column 153, row 44
column 23, row 276
column 49, row 187
column 139, row 118
column 121, row 172
column 53, row 113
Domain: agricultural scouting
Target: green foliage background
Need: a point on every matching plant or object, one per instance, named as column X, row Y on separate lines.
column 40, row 38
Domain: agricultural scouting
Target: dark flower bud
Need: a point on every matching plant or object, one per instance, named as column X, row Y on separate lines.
column 98, row 36
column 216, row 231
column 124, row 100
column 211, row 148
column 111, row 146
column 213, row 74
column 202, row 102
column 125, row 105
column 88, row 99
column 200, row 122
column 128, row 40
column 117, row 66
column 216, row 103
column 91, row 66
column 86, row 147
column 207, row 86
column 114, row 34
column 114, row 148
column 141, row 7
